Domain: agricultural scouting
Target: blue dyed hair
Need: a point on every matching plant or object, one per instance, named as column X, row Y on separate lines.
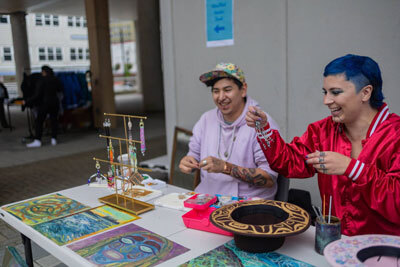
column 361, row 71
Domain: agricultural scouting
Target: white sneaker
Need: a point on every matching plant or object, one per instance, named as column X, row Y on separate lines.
column 53, row 141
column 35, row 143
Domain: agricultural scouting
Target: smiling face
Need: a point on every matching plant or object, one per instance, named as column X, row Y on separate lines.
column 229, row 98
column 341, row 98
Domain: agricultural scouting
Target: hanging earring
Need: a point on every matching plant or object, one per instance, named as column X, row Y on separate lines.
column 132, row 148
column 111, row 158
column 143, row 144
column 110, row 179
column 130, row 129
column 107, row 125
column 133, row 156
column 98, row 169
column 99, row 177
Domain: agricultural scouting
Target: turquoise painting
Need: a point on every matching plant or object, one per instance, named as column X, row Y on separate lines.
column 67, row 229
column 229, row 255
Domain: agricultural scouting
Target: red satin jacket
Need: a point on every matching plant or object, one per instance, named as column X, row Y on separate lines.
column 367, row 197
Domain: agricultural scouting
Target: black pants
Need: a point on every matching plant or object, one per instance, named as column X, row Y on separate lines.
column 41, row 116
column 3, row 120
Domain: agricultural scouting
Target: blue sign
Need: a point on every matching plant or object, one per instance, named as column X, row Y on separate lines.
column 219, row 22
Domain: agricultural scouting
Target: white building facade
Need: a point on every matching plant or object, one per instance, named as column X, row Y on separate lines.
column 62, row 43
column 58, row 41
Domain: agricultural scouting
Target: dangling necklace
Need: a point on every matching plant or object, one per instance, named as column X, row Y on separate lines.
column 230, row 147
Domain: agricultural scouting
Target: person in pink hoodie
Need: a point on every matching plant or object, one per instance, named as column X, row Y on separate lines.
column 223, row 147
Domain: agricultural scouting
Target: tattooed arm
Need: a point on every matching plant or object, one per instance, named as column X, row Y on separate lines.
column 253, row 176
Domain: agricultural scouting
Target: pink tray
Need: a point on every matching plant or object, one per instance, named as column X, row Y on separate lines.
column 190, row 202
column 200, row 220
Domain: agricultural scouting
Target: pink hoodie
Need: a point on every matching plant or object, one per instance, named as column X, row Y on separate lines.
column 211, row 135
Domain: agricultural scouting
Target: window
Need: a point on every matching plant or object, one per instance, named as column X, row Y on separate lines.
column 58, row 53
column 3, row 18
column 47, row 20
column 72, row 53
column 84, row 22
column 7, row 55
column 38, row 19
column 77, row 21
column 80, row 53
column 70, row 21
column 87, row 54
column 55, row 21
column 42, row 54
column 50, row 53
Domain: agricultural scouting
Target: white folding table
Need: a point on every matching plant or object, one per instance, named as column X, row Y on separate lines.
column 165, row 222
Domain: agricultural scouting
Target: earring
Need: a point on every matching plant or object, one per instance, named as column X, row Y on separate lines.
column 99, row 177
column 130, row 128
column 107, row 125
column 143, row 144
column 133, row 156
column 111, row 158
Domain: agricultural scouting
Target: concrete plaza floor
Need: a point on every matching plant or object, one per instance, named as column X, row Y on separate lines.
column 14, row 154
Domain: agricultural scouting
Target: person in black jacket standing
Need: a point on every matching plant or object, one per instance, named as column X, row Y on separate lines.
column 46, row 100
column 3, row 95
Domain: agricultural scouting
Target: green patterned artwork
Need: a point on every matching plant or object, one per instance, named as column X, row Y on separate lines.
column 229, row 255
column 45, row 208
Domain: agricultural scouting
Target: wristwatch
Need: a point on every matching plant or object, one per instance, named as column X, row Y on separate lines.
column 227, row 168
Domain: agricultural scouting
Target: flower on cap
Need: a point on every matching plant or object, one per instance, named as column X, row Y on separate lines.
column 223, row 70
column 231, row 67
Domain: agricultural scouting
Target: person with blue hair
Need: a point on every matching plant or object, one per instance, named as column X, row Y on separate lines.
column 355, row 151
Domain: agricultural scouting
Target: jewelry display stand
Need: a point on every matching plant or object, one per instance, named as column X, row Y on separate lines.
column 123, row 198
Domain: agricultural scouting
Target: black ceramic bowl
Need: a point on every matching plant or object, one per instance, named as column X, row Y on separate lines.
column 261, row 225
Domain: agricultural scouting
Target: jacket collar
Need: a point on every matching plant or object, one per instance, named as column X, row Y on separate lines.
column 380, row 117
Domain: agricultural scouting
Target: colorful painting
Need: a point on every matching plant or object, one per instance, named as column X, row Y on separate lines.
column 45, row 208
column 129, row 245
column 229, row 255
column 67, row 229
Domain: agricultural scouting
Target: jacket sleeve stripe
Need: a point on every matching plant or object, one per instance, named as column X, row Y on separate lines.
column 354, row 169
column 359, row 171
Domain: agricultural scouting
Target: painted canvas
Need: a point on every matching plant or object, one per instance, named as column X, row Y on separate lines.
column 129, row 245
column 45, row 208
column 67, row 229
column 229, row 255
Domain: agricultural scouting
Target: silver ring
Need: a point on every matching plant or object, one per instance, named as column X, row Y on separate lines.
column 322, row 166
column 204, row 162
column 321, row 160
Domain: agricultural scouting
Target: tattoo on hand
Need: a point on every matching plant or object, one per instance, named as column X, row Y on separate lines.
column 249, row 175
column 260, row 181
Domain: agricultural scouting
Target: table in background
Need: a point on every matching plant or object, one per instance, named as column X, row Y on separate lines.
column 167, row 223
